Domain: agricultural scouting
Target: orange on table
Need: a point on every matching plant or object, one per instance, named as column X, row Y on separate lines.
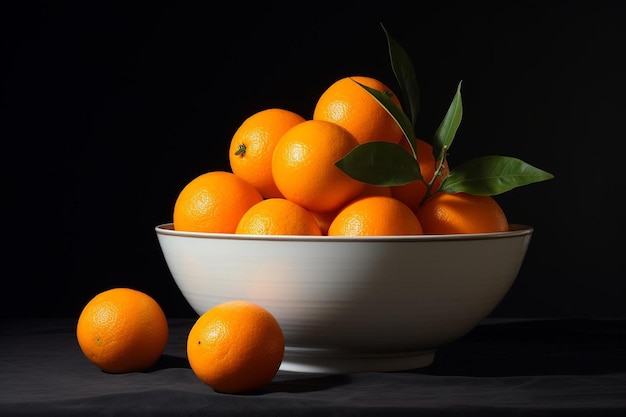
column 278, row 216
column 122, row 330
column 375, row 216
column 449, row 213
column 303, row 166
column 214, row 202
column 414, row 192
column 235, row 347
column 348, row 104
column 252, row 146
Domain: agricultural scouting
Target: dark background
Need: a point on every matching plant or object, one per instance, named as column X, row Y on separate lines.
column 108, row 110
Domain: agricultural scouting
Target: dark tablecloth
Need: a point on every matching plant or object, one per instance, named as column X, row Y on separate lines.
column 563, row 367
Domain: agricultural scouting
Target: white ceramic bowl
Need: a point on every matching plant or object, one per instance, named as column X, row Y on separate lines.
column 352, row 304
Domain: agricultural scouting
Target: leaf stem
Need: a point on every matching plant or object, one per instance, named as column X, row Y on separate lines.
column 438, row 172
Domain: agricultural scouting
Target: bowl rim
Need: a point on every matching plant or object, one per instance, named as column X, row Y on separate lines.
column 515, row 230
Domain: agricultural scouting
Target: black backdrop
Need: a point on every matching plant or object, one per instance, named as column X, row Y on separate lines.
column 108, row 109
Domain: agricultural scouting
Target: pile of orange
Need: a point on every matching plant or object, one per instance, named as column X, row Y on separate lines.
column 283, row 179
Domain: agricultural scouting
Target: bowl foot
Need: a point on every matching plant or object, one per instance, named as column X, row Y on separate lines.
column 341, row 361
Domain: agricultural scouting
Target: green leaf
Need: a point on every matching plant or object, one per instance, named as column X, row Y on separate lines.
column 405, row 74
column 380, row 163
column 492, row 175
column 396, row 112
column 448, row 127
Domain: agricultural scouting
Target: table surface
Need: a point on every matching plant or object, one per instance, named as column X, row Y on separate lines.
column 534, row 367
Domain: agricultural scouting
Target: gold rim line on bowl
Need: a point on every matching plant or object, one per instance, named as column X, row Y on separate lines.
column 514, row 230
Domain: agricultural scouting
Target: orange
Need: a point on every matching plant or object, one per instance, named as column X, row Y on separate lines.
column 122, row 330
column 304, row 167
column 214, row 202
column 414, row 192
column 348, row 104
column 375, row 216
column 370, row 190
column 252, row 146
column 235, row 347
column 448, row 213
column 278, row 216
column 325, row 218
